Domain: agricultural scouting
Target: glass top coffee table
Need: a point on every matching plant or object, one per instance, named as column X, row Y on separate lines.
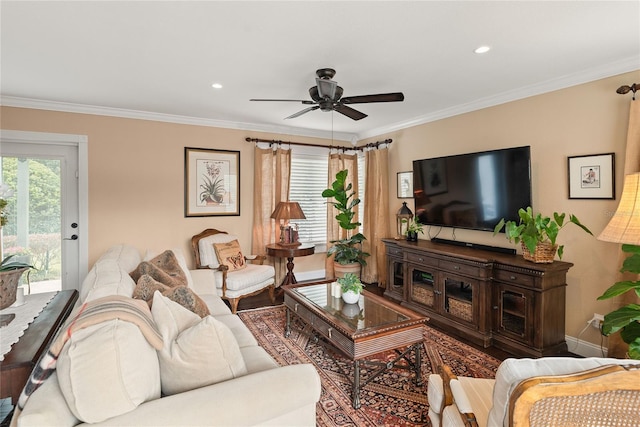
column 372, row 326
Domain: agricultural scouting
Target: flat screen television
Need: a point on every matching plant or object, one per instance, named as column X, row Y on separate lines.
column 473, row 190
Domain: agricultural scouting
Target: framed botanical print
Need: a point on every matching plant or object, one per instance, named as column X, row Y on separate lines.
column 211, row 182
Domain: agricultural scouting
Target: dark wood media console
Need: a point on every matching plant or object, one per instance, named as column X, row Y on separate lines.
column 489, row 298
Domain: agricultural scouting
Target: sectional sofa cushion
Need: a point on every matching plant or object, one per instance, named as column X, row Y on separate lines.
column 197, row 352
column 106, row 278
column 106, row 370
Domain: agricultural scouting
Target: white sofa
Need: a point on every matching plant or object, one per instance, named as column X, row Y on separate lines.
column 108, row 374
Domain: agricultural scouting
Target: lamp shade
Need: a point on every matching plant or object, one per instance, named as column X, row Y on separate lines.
column 288, row 210
column 624, row 226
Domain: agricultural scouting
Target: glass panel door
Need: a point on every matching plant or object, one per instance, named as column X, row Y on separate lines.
column 43, row 213
column 33, row 213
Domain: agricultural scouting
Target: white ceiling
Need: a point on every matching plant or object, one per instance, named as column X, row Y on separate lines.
column 158, row 59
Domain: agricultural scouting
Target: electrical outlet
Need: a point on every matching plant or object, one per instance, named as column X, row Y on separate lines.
column 597, row 320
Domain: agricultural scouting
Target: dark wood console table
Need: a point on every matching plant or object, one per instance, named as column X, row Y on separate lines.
column 20, row 361
column 487, row 297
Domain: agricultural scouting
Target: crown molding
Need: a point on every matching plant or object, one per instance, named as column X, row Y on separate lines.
column 38, row 104
column 604, row 71
column 608, row 70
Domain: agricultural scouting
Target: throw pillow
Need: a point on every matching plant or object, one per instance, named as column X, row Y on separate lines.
column 164, row 268
column 197, row 352
column 229, row 254
column 107, row 370
column 182, row 262
column 146, row 287
column 183, row 295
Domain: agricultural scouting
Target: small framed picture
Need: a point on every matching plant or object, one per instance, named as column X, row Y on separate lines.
column 211, row 182
column 592, row 176
column 405, row 185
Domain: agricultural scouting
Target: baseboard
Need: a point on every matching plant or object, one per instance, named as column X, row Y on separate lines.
column 584, row 348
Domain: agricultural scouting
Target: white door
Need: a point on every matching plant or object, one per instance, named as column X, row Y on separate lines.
column 44, row 222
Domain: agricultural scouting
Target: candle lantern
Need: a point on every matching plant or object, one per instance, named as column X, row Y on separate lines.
column 403, row 217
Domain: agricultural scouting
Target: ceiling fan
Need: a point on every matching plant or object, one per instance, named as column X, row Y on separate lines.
column 327, row 96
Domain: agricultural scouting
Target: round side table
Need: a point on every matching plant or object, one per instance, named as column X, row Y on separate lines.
column 290, row 252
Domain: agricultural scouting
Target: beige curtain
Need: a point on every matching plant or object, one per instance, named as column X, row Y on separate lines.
column 616, row 347
column 338, row 162
column 376, row 215
column 271, row 178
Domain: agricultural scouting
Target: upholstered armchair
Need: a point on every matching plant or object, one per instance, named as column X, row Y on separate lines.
column 545, row 392
column 237, row 276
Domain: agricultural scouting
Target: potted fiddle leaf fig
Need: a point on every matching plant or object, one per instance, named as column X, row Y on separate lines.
column 537, row 233
column 347, row 252
column 625, row 320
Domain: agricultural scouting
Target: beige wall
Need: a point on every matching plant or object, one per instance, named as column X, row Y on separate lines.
column 586, row 119
column 136, row 170
column 136, row 178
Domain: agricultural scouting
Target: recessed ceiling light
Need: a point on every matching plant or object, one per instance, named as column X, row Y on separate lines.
column 216, row 86
column 482, row 49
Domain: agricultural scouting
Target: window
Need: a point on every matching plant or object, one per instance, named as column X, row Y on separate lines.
column 309, row 178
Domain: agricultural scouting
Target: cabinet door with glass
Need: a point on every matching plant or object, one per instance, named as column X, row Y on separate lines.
column 513, row 308
column 423, row 285
column 395, row 274
column 395, row 284
column 460, row 298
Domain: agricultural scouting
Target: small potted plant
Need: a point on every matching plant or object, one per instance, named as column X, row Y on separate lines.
column 413, row 228
column 351, row 288
column 10, row 273
column 537, row 234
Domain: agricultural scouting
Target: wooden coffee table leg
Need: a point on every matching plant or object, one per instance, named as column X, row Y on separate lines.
column 356, row 384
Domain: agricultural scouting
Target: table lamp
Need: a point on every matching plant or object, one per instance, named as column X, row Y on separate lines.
column 624, row 226
column 284, row 212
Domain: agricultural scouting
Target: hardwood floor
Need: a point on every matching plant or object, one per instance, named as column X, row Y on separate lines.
column 262, row 300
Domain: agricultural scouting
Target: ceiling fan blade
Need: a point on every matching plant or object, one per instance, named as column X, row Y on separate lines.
column 299, row 113
column 349, row 112
column 304, row 101
column 382, row 97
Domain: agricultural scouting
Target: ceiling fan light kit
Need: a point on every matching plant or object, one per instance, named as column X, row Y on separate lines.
column 326, row 95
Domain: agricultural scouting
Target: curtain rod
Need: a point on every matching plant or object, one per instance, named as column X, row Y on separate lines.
column 339, row 147
column 626, row 89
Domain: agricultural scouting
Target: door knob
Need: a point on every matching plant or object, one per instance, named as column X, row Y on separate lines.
column 73, row 237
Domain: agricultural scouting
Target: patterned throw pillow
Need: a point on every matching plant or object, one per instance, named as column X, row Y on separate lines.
column 229, row 254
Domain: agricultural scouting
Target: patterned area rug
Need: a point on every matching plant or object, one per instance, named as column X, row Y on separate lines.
column 391, row 399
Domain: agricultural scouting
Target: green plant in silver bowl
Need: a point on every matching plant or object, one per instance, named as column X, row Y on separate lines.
column 350, row 282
